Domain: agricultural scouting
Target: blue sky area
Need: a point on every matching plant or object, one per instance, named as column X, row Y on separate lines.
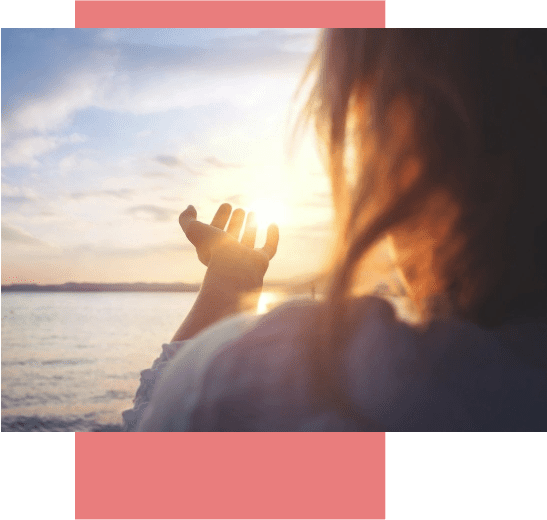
column 107, row 135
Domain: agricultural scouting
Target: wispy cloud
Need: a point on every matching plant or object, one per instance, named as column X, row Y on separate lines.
column 25, row 151
column 123, row 193
column 18, row 193
column 175, row 162
column 19, row 236
column 168, row 160
column 220, row 164
column 189, row 119
column 157, row 213
column 157, row 175
column 168, row 77
column 131, row 252
column 79, row 161
column 52, row 111
column 234, row 200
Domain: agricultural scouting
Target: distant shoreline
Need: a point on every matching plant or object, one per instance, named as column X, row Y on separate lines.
column 129, row 287
column 104, row 287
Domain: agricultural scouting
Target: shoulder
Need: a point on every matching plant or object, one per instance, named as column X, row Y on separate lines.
column 252, row 372
column 243, row 354
column 450, row 374
column 393, row 365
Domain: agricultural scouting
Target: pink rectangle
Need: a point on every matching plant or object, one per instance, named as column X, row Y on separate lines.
column 230, row 475
column 237, row 14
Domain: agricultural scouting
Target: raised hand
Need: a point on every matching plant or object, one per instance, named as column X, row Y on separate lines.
column 223, row 253
column 235, row 270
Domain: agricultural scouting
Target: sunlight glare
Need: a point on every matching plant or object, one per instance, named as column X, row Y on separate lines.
column 267, row 301
column 269, row 211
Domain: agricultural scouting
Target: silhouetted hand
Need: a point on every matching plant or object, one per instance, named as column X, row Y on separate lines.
column 235, row 270
column 229, row 261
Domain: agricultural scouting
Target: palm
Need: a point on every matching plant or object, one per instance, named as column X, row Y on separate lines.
column 212, row 242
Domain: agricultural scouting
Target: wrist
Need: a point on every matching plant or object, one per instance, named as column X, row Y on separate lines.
column 214, row 303
column 233, row 276
column 231, row 293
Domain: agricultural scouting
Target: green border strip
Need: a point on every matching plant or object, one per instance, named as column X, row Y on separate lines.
column 470, row 476
column 38, row 13
column 466, row 13
column 37, row 475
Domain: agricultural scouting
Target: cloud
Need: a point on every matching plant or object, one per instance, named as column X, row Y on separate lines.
column 123, row 193
column 219, row 164
column 263, row 52
column 108, row 35
column 238, row 200
column 131, row 252
column 168, row 160
column 78, row 161
column 47, row 213
column 175, row 162
column 171, row 199
column 157, row 175
column 18, row 193
column 75, row 91
column 234, row 200
column 143, row 133
column 19, row 236
column 145, row 79
column 158, row 213
column 24, row 152
column 287, row 40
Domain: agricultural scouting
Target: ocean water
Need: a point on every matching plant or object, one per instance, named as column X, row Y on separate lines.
column 72, row 361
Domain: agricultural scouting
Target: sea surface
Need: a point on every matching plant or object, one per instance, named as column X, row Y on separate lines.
column 72, row 361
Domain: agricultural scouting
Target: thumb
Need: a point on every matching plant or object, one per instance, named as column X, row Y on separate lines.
column 187, row 216
column 198, row 233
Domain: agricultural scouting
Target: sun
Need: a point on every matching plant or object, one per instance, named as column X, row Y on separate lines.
column 269, row 211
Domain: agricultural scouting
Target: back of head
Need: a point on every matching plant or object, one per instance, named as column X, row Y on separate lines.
column 447, row 133
column 434, row 139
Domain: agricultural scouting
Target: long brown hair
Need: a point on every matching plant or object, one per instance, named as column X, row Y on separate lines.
column 449, row 134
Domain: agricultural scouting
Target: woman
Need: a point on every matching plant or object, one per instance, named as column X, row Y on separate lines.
column 435, row 142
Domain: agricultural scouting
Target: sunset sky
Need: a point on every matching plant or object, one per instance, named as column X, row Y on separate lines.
column 107, row 135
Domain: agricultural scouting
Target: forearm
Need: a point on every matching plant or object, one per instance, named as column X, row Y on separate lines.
column 217, row 300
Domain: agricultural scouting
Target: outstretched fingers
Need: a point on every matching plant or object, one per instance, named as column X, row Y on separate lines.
column 249, row 234
column 221, row 216
column 272, row 239
column 202, row 236
column 236, row 223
